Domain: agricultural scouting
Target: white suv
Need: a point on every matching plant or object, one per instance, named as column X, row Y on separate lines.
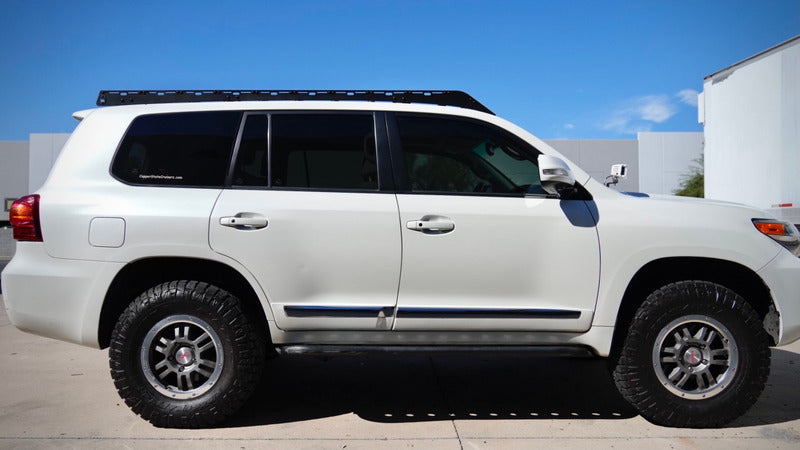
column 197, row 233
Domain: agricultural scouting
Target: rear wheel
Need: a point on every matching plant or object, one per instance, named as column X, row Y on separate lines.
column 696, row 355
column 184, row 355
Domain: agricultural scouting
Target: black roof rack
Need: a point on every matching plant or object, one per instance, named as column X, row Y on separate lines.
column 444, row 98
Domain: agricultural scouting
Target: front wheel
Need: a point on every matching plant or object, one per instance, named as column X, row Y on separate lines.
column 696, row 355
column 184, row 355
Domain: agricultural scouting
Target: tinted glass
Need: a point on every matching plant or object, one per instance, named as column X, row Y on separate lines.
column 184, row 149
column 251, row 160
column 452, row 155
column 325, row 151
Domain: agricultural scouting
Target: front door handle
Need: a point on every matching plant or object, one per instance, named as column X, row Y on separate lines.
column 431, row 225
column 244, row 221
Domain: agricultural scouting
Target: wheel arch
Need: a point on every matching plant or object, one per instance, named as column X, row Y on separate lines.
column 138, row 276
column 660, row 272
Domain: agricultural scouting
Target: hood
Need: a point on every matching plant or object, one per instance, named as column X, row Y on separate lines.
column 700, row 202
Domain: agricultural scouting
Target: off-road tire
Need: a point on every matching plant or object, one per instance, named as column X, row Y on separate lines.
column 241, row 352
column 660, row 400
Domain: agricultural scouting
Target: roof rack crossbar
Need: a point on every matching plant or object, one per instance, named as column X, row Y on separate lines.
column 443, row 98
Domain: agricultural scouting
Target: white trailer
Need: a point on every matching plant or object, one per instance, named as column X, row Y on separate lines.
column 751, row 116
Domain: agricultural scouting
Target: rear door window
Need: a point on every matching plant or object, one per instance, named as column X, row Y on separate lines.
column 323, row 151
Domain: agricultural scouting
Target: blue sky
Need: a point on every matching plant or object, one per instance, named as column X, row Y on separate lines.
column 571, row 69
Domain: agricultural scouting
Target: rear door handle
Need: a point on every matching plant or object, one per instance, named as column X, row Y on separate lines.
column 431, row 225
column 244, row 221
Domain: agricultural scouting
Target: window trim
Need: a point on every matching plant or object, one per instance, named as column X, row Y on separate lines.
column 392, row 173
column 235, row 155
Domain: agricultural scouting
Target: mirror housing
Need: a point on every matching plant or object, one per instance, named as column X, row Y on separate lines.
column 556, row 176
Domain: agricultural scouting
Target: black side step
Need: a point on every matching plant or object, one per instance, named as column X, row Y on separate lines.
column 342, row 350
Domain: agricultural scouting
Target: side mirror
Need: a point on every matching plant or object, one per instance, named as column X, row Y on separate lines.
column 555, row 175
column 617, row 171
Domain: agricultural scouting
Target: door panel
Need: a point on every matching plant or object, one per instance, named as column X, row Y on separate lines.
column 326, row 260
column 312, row 225
column 508, row 264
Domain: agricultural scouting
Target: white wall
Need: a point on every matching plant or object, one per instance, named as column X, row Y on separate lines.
column 44, row 149
column 596, row 156
column 752, row 129
column 665, row 158
column 13, row 172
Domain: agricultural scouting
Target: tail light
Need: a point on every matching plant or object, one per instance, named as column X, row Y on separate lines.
column 24, row 216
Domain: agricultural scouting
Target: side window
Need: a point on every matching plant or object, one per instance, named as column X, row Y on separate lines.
column 177, row 149
column 324, row 151
column 464, row 156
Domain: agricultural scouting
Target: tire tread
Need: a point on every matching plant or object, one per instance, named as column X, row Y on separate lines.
column 216, row 405
column 672, row 301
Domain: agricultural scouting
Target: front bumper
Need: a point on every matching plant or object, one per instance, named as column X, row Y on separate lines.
column 782, row 276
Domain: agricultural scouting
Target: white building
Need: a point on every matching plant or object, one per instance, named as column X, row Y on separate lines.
column 596, row 156
column 24, row 165
column 657, row 161
column 751, row 114
column 665, row 159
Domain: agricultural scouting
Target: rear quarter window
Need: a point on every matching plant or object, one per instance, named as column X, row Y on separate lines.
column 177, row 149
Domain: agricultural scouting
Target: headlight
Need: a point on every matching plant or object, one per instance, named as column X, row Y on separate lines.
column 783, row 233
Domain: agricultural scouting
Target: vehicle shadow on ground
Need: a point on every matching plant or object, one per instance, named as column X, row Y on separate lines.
column 390, row 389
column 393, row 389
column 780, row 401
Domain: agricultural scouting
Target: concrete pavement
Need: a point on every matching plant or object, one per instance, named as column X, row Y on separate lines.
column 57, row 395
